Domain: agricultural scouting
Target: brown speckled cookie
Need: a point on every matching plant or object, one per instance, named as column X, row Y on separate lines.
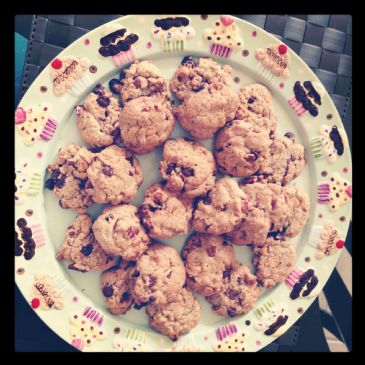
column 221, row 209
column 193, row 76
column 69, row 180
column 81, row 248
column 188, row 167
column 274, row 261
column 165, row 214
column 159, row 270
column 179, row 315
column 256, row 106
column 267, row 210
column 145, row 123
column 208, row 262
column 239, row 148
column 120, row 233
column 98, row 118
column 142, row 78
column 115, row 287
column 283, row 161
column 203, row 113
column 115, row 175
column 239, row 294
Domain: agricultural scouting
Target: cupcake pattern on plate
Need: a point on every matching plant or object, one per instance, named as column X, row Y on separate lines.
column 330, row 144
column 173, row 32
column 224, row 38
column 118, row 43
column 35, row 123
column 27, row 182
column 335, row 193
column 273, row 61
column 307, row 98
column 303, row 284
column 229, row 339
column 70, row 74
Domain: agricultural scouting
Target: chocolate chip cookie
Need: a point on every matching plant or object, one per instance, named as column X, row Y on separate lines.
column 81, row 248
column 221, row 209
column 69, row 180
column 239, row 294
column 203, row 113
column 165, row 214
column 115, row 176
column 202, row 74
column 274, row 260
column 159, row 270
column 115, row 287
column 120, row 233
column 283, row 161
column 179, row 315
column 256, row 106
column 188, row 167
column 145, row 123
column 239, row 148
column 98, row 118
column 142, row 78
column 209, row 261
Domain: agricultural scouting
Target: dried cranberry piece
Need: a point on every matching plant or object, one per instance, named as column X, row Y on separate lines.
column 187, row 171
column 107, row 170
column 252, row 157
column 132, row 232
column 211, row 251
column 232, row 294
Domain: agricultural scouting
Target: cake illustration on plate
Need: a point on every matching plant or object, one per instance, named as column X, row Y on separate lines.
column 224, row 37
column 307, row 98
column 35, row 123
column 327, row 240
column 70, row 74
column 45, row 294
column 335, row 193
column 273, row 61
column 229, row 339
column 330, row 144
column 28, row 182
column 133, row 341
column 173, row 32
column 303, row 284
column 118, row 43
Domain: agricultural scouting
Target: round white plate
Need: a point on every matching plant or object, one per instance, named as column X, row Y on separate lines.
column 78, row 293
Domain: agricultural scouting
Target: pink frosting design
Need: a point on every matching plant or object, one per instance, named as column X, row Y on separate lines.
column 20, row 116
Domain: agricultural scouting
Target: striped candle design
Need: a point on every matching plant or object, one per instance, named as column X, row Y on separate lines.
column 264, row 308
column 265, row 73
column 136, row 335
column 316, row 147
column 323, row 191
column 297, row 106
column 225, row 331
column 124, row 57
column 171, row 46
column 34, row 183
column 293, row 277
column 221, row 51
column 37, row 234
column 93, row 316
column 49, row 130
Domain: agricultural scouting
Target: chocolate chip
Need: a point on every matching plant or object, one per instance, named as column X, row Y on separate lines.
column 108, row 291
column 132, row 232
column 153, row 280
column 55, row 173
column 60, row 182
column 103, row 101
column 207, row 200
column 251, row 100
column 126, row 296
column 216, row 307
column 187, row 171
column 232, row 294
column 227, row 272
column 252, row 157
column 131, row 160
column 136, row 274
column 86, row 250
column 121, row 103
column 231, row 312
column 157, row 198
column 122, row 75
column 170, row 168
column 189, row 60
column 107, row 170
column 115, row 86
column 290, row 135
column 211, row 251
column 49, row 184
column 139, row 306
column 220, row 149
column 21, row 222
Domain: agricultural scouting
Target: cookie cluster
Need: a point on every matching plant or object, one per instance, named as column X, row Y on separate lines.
column 261, row 210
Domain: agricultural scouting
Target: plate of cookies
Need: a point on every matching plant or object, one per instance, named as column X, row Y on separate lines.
column 182, row 183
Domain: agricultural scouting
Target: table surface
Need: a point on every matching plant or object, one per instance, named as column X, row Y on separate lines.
column 323, row 41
